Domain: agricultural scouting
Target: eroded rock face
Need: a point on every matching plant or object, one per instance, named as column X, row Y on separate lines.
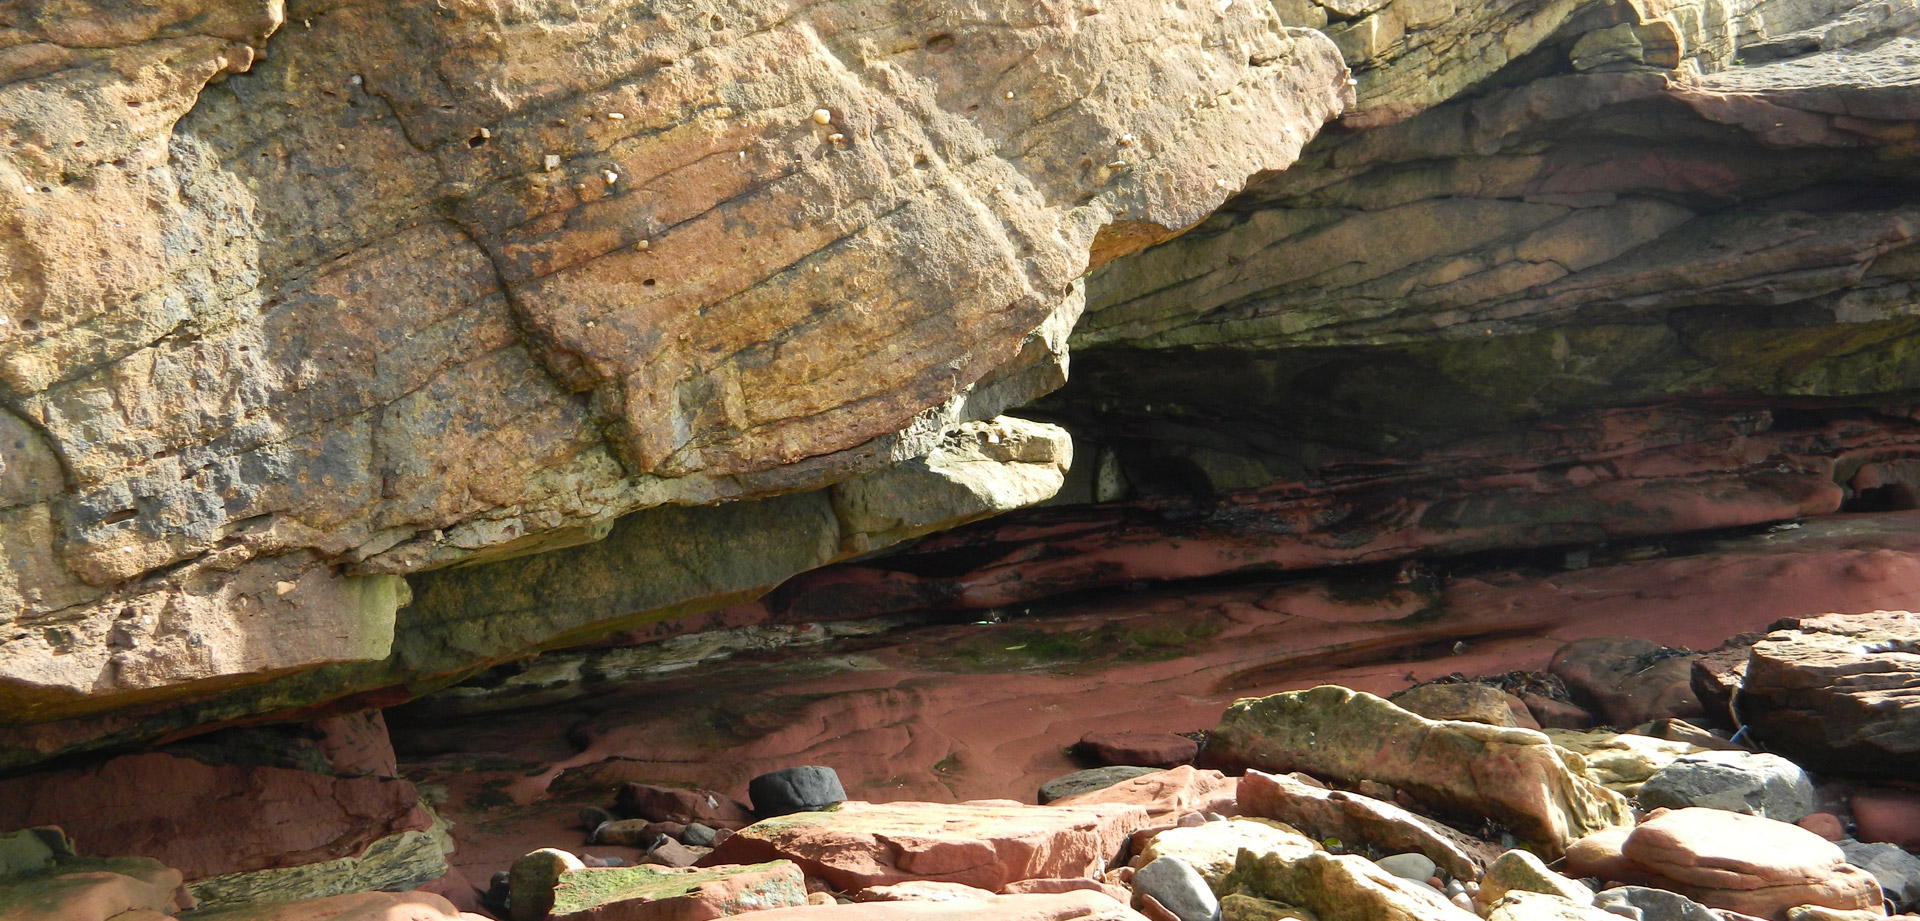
column 1838, row 693
column 427, row 285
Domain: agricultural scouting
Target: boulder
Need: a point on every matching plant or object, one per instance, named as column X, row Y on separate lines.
column 1211, row 848
column 1077, row 905
column 1887, row 814
column 1512, row 776
column 1526, row 905
column 1747, row 782
column 1151, row 749
column 682, row 805
column 1165, row 795
column 1090, row 780
column 1236, row 906
column 353, row 906
column 1340, row 888
column 1643, row 904
column 1413, row 866
column 239, row 832
column 532, row 879
column 646, row 893
column 1462, row 700
column 807, row 788
column 1897, row 870
column 93, row 889
column 985, row 843
column 1357, row 820
column 1627, row 681
column 1742, row 863
column 1621, row 761
column 1178, row 887
column 1834, row 693
column 1521, row 871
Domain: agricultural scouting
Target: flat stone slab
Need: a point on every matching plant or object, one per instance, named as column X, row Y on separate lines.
column 983, row 843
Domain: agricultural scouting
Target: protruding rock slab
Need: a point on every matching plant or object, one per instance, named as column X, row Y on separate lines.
column 1341, row 888
column 1840, row 693
column 1077, row 905
column 646, row 893
column 1357, row 819
column 218, row 821
column 1513, row 776
column 355, row 906
column 1166, row 795
column 984, row 843
column 87, row 889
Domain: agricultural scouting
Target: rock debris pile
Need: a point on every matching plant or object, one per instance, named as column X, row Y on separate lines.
column 1323, row 804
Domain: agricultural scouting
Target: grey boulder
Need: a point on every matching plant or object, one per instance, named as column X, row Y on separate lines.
column 1751, row 783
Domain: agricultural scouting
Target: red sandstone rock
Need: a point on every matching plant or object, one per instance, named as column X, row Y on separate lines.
column 1557, row 714
column 1887, row 814
column 1356, row 819
column 684, row 806
column 1836, row 693
column 1746, row 864
column 1147, row 749
column 1166, row 795
column 357, row 745
column 1717, row 675
column 133, row 885
column 674, row 894
column 1627, row 681
column 984, row 843
column 921, row 890
column 211, row 820
column 1825, row 824
column 358, row 906
column 1598, row 855
column 1070, row 884
column 1061, row 906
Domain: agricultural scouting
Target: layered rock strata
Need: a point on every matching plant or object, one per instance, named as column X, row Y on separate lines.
column 298, row 305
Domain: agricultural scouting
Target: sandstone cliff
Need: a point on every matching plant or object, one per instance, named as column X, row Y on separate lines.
column 348, row 348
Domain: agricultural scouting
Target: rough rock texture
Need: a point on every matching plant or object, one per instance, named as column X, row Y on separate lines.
column 1340, row 888
column 358, row 906
column 985, row 843
column 1359, row 821
column 295, row 310
column 1078, row 905
column 1722, row 859
column 1626, row 681
column 1752, row 783
column 321, row 835
column 1840, row 693
column 94, row 889
column 647, row 893
column 1513, row 776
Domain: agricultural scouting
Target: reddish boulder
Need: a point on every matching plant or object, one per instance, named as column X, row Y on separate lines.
column 1740, row 863
column 1836, row 694
column 1557, row 714
column 102, row 890
column 1887, row 814
column 358, row 906
column 1147, row 749
column 682, row 805
column 210, row 820
column 1350, row 817
column 984, row 843
column 1627, row 681
column 1825, row 824
column 1058, row 906
column 1459, row 700
column 1166, row 795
